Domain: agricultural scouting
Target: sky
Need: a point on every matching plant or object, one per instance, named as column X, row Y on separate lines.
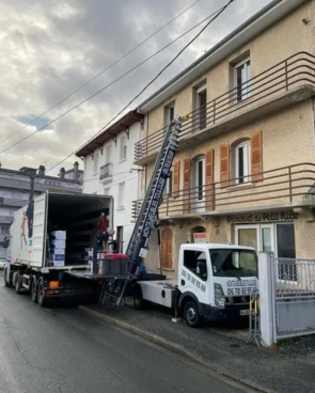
column 48, row 49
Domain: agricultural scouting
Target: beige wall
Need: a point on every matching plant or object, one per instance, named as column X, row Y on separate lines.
column 287, row 37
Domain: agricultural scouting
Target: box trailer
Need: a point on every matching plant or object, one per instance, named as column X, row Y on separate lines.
column 50, row 237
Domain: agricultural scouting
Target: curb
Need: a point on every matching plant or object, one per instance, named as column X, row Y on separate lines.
column 178, row 349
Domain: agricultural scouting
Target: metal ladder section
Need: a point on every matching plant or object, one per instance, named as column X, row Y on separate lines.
column 146, row 221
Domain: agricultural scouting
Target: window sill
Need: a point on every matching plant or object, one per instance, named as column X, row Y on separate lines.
column 244, row 186
column 121, row 208
column 167, row 269
column 122, row 160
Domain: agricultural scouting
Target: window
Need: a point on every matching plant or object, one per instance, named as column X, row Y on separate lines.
column 233, row 263
column 169, row 185
column 201, row 107
column 5, row 230
column 108, row 154
column 96, row 156
column 287, row 270
column 196, row 262
column 199, row 177
column 169, row 114
column 121, row 195
column 123, row 148
column 242, row 78
column 242, row 162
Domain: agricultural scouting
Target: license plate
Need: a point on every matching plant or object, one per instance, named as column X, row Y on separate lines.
column 244, row 312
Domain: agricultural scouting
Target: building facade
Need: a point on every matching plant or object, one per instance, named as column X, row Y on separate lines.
column 109, row 170
column 15, row 192
column 244, row 172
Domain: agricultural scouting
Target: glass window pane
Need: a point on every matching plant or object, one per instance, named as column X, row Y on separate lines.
column 266, row 240
column 286, row 241
column 247, row 237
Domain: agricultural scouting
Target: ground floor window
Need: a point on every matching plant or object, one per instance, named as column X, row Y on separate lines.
column 276, row 238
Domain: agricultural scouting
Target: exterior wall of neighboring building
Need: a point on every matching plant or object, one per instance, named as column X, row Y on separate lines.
column 272, row 209
column 114, row 162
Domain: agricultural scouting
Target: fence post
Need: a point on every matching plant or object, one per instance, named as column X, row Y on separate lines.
column 266, row 298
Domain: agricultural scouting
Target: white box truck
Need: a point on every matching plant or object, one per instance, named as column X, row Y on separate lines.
column 35, row 264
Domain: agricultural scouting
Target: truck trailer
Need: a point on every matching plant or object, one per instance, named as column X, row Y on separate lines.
column 51, row 236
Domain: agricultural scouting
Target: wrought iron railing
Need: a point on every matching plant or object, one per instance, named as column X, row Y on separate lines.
column 298, row 69
column 286, row 185
column 106, row 171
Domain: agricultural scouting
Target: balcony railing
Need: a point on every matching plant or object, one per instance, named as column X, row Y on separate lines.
column 293, row 185
column 296, row 70
column 106, row 171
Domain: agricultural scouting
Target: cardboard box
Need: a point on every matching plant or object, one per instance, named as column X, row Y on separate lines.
column 59, row 235
column 58, row 251
column 58, row 259
column 59, row 243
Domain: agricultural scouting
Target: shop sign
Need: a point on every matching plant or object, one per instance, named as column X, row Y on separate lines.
column 200, row 237
column 264, row 217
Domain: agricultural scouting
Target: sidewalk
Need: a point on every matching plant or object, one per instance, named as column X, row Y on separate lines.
column 287, row 369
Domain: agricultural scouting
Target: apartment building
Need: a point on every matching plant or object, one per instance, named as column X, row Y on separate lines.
column 245, row 169
column 109, row 170
column 15, row 191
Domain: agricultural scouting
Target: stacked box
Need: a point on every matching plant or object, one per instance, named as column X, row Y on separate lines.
column 58, row 247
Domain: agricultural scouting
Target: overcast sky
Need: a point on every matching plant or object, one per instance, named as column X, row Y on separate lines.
column 49, row 48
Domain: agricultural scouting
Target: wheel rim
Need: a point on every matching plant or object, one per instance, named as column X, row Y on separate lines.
column 192, row 315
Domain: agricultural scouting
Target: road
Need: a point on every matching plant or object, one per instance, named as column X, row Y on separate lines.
column 63, row 350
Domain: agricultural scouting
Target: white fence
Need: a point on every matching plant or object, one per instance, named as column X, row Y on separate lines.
column 287, row 297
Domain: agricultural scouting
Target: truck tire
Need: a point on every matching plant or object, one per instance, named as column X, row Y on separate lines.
column 6, row 283
column 191, row 314
column 40, row 292
column 34, row 290
column 18, row 283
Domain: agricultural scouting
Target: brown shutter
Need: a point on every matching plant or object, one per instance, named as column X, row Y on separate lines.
column 256, row 156
column 210, row 179
column 176, row 179
column 187, row 184
column 225, row 165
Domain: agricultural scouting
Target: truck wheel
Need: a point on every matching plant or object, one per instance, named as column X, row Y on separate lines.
column 34, row 290
column 40, row 292
column 6, row 283
column 191, row 314
column 138, row 301
column 18, row 283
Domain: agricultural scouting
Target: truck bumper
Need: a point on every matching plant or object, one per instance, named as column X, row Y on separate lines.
column 230, row 313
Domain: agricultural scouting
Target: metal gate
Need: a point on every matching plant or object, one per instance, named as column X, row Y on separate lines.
column 293, row 287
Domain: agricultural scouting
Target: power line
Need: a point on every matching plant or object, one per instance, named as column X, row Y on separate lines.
column 104, row 88
column 217, row 13
column 103, row 71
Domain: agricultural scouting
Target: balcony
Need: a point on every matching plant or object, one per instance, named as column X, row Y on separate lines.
column 287, row 187
column 289, row 81
column 106, row 172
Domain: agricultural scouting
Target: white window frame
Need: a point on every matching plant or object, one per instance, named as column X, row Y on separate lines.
column 167, row 117
column 197, row 98
column 199, row 202
column 108, row 152
column 246, row 162
column 168, row 190
column 245, row 89
column 123, row 148
column 96, row 162
column 121, row 196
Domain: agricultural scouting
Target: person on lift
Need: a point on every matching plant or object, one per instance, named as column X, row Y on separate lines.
column 103, row 234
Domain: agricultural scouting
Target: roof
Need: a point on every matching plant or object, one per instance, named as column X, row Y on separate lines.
column 120, row 125
column 260, row 21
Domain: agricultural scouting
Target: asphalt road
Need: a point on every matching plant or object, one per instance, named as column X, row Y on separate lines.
column 63, row 350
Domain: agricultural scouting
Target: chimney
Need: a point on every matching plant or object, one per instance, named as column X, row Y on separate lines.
column 62, row 173
column 76, row 171
column 41, row 170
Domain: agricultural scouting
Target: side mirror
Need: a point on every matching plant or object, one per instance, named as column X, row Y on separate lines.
column 201, row 268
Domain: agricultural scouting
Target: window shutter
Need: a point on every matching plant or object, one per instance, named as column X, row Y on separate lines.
column 224, row 165
column 187, row 184
column 210, row 179
column 176, row 179
column 256, row 156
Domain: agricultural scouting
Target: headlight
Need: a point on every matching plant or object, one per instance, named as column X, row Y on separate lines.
column 219, row 296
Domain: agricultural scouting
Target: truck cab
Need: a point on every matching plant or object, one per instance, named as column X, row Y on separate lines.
column 215, row 281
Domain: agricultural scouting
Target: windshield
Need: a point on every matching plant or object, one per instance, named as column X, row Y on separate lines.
column 235, row 263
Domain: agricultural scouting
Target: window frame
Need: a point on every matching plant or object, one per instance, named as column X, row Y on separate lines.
column 244, row 92
column 191, row 269
column 246, row 177
column 200, row 112
column 123, row 148
column 121, row 195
